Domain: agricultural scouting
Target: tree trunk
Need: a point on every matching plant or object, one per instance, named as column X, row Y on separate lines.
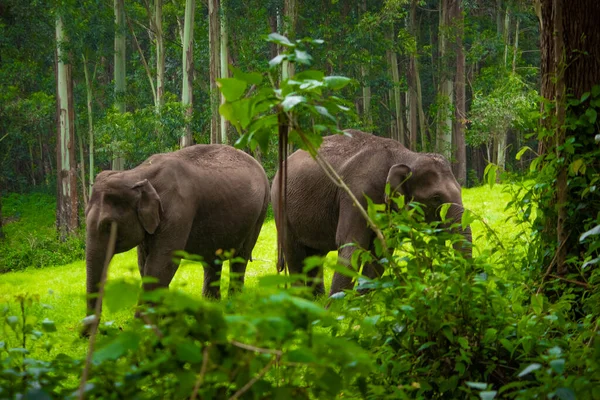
column 460, row 108
column 188, row 71
column 396, row 92
column 412, row 81
column 82, row 171
column 1, row 231
column 224, row 67
column 422, row 122
column 67, row 201
column 445, row 93
column 160, row 54
column 214, row 24
column 118, row 163
column 89, row 93
column 516, row 48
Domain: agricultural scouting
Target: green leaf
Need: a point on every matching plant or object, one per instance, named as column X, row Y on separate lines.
column 280, row 39
column 303, row 355
column 188, row 352
column 275, row 280
column 275, row 61
column 576, row 165
column 307, row 305
column 490, row 335
column 292, row 100
column 118, row 347
column 336, row 82
column 251, row 78
column 537, row 303
column 467, row 218
column 488, row 395
column 121, row 294
column 444, row 210
column 303, row 57
column 48, row 325
column 584, row 96
column 533, row 367
column 464, row 343
column 596, row 91
column 558, row 365
column 309, row 74
column 565, row 394
column 522, row 151
column 324, row 112
column 477, row 385
column 594, row 231
column 592, row 115
column 12, row 320
column 232, row 88
column 490, row 174
column 425, row 346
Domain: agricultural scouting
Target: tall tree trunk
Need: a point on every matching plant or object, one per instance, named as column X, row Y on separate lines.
column 67, row 200
column 224, row 66
column 188, row 71
column 515, row 48
column 570, row 60
column 445, row 92
column 89, row 93
column 214, row 24
column 290, row 19
column 396, row 92
column 118, row 163
column 412, row 80
column 366, row 88
column 460, row 107
column 82, row 171
column 502, row 135
column 422, row 122
column 160, row 54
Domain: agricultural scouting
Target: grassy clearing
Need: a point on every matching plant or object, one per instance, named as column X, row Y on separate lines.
column 61, row 289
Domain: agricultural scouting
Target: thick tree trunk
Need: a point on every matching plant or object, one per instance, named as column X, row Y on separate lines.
column 422, row 122
column 188, row 71
column 118, row 163
column 399, row 124
column 412, row 81
column 570, row 61
column 67, row 201
column 445, row 92
column 214, row 24
column 460, row 115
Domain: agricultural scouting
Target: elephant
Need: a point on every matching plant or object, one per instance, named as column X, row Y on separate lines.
column 320, row 217
column 202, row 199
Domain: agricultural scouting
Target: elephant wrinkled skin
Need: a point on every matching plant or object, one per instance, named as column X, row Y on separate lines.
column 320, row 217
column 199, row 199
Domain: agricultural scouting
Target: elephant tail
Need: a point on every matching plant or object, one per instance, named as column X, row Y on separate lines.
column 280, row 263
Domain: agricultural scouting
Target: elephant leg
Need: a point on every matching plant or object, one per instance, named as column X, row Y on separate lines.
column 161, row 267
column 142, row 255
column 352, row 228
column 295, row 254
column 211, row 287
column 236, row 276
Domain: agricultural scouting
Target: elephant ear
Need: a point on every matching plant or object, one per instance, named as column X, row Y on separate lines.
column 397, row 177
column 149, row 206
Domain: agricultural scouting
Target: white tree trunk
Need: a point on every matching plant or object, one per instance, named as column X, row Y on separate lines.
column 188, row 71
column 118, row 163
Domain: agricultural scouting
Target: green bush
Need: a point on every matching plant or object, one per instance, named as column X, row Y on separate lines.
column 31, row 239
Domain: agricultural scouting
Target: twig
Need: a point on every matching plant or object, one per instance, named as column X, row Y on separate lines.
column 145, row 64
column 201, row 374
column 255, row 379
column 257, row 349
column 549, row 269
column 98, row 309
column 585, row 285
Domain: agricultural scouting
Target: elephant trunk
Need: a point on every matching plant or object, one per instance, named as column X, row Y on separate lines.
column 100, row 248
column 455, row 214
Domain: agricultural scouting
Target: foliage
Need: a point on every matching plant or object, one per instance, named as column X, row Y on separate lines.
column 31, row 239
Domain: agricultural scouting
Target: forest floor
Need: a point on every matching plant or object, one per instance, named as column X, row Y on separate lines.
column 61, row 288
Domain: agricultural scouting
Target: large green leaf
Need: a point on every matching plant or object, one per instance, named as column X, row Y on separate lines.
column 121, row 294
column 280, row 39
column 118, row 347
column 252, row 78
column 232, row 88
column 292, row 100
column 336, row 82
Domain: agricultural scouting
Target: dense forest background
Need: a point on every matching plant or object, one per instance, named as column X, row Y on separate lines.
column 438, row 76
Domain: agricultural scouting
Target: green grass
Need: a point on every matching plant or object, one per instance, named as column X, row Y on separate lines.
column 61, row 289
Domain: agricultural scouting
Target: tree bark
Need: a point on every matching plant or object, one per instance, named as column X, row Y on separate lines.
column 570, row 62
column 188, row 71
column 460, row 107
column 89, row 93
column 160, row 54
column 67, row 201
column 224, row 67
column 445, row 92
column 396, row 92
column 412, row 81
column 118, row 163
column 214, row 24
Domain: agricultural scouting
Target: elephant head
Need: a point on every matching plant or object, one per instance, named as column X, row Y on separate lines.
column 429, row 181
column 133, row 205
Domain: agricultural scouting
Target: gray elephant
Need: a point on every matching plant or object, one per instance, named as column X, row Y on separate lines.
column 320, row 216
column 199, row 199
